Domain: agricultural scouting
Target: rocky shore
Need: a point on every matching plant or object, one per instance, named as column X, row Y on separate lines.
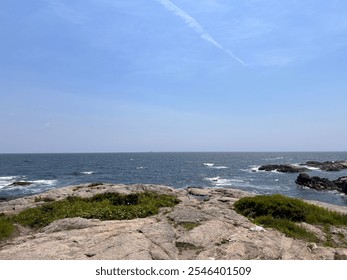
column 318, row 183
column 304, row 167
column 202, row 226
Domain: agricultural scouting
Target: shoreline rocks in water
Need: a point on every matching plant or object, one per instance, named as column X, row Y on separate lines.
column 328, row 165
column 290, row 168
column 196, row 228
column 285, row 168
column 319, row 183
column 21, row 183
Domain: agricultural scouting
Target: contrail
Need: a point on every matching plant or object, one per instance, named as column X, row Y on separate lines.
column 192, row 22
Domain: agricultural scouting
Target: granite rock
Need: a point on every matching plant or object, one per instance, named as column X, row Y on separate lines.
column 216, row 231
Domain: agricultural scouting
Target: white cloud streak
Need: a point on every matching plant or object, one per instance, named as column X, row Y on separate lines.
column 193, row 23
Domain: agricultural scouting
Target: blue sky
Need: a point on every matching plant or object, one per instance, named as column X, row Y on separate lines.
column 160, row 75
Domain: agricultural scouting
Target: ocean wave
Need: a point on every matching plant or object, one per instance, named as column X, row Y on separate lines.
column 307, row 166
column 45, row 182
column 79, row 173
column 220, row 167
column 88, row 172
column 7, row 180
column 30, row 186
column 243, row 184
column 274, row 158
column 218, row 181
column 252, row 169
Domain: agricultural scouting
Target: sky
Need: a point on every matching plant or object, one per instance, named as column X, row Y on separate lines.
column 173, row 75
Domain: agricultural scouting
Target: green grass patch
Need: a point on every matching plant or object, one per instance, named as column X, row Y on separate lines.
column 282, row 213
column 282, row 207
column 107, row 206
column 189, row 225
column 288, row 227
column 6, row 227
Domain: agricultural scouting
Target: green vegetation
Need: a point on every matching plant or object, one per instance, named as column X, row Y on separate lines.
column 182, row 246
column 6, row 227
column 43, row 199
column 288, row 227
column 283, row 213
column 107, row 206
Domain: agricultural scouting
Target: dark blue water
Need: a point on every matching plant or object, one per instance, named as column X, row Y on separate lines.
column 178, row 170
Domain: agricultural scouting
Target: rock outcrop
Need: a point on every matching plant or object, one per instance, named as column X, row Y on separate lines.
column 202, row 226
column 319, row 183
column 285, row 168
column 290, row 168
column 21, row 183
column 328, row 165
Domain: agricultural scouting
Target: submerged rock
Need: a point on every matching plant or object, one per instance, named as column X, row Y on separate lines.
column 21, row 183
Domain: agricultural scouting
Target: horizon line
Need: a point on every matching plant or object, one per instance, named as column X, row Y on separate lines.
column 154, row 152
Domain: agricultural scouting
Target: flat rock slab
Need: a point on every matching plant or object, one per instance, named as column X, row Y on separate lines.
column 193, row 229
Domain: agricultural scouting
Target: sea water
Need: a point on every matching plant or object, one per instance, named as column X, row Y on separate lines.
column 178, row 170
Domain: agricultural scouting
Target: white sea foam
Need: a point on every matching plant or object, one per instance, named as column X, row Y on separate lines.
column 218, row 181
column 36, row 185
column 88, row 172
column 7, row 180
column 44, row 182
column 274, row 158
column 213, row 179
column 252, row 169
column 308, row 167
column 220, row 167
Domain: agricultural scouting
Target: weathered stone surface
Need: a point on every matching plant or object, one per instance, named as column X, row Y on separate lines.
column 217, row 231
column 285, row 168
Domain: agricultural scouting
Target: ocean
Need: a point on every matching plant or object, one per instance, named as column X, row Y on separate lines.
column 178, row 170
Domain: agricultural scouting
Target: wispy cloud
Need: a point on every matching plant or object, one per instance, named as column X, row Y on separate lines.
column 194, row 24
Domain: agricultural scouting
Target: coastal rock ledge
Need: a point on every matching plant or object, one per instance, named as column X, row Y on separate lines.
column 202, row 226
